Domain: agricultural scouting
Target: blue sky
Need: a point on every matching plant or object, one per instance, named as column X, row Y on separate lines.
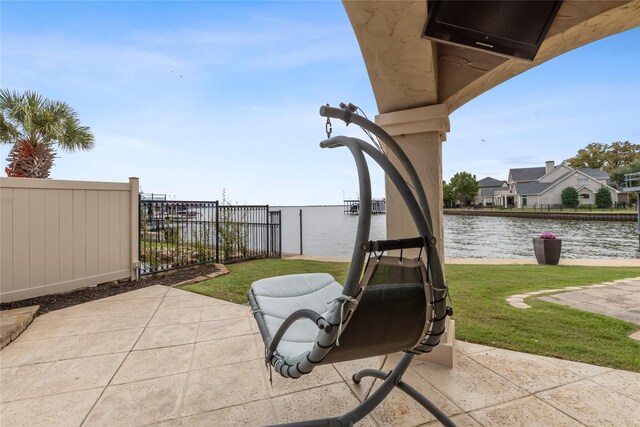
column 197, row 97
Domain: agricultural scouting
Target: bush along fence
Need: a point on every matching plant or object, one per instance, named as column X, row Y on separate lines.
column 177, row 234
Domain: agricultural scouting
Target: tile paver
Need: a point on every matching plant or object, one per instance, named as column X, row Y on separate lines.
column 527, row 411
column 64, row 409
column 619, row 299
column 161, row 356
column 592, row 404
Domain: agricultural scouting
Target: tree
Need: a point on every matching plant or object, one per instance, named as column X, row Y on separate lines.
column 603, row 198
column 570, row 197
column 464, row 187
column 617, row 175
column 447, row 194
column 605, row 156
column 36, row 125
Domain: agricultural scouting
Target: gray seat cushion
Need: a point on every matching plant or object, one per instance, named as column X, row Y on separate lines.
column 280, row 296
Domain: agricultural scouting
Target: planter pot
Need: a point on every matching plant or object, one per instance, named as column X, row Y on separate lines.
column 547, row 250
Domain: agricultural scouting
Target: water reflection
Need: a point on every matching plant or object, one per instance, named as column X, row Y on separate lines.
column 328, row 232
column 499, row 237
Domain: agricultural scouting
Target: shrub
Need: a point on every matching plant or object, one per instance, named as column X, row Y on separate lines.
column 570, row 197
column 603, row 198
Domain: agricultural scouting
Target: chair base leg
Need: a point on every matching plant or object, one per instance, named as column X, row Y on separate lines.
column 391, row 380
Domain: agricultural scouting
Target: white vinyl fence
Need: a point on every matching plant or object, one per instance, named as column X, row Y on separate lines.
column 57, row 235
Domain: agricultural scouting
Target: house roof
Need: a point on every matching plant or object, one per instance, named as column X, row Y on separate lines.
column 531, row 188
column 527, row 174
column 489, row 191
column 489, row 182
column 595, row 173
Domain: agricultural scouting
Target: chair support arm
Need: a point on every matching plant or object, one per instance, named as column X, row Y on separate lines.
column 293, row 317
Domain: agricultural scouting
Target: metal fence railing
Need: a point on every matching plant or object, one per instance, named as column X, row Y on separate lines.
column 177, row 234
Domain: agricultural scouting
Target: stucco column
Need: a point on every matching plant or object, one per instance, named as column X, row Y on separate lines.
column 419, row 132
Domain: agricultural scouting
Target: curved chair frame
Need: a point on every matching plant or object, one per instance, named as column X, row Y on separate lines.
column 330, row 326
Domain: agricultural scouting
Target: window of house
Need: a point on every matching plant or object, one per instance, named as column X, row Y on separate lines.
column 524, row 200
column 584, row 196
column 583, row 181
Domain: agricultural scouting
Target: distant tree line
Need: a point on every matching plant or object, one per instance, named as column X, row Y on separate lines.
column 618, row 158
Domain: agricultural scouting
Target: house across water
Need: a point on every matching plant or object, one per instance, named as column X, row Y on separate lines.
column 543, row 186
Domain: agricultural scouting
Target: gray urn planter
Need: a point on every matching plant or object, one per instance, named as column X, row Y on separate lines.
column 547, row 250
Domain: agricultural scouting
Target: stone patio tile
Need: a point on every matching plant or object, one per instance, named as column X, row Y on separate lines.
column 627, row 287
column 139, row 403
column 140, row 305
column 225, row 351
column 470, row 348
column 583, row 370
column 469, row 384
column 60, row 410
column 14, row 380
column 102, row 343
column 528, row 371
column 252, row 414
column 620, row 290
column 167, row 336
column 75, row 374
column 156, row 291
column 528, row 411
column 328, row 401
column 175, row 316
column 320, row 376
column 624, row 382
column 176, row 291
column 153, row 363
column 400, row 410
column 347, row 369
column 580, row 297
column 593, row 404
column 215, row 301
column 135, row 320
column 521, row 305
column 53, row 328
column 556, row 300
column 224, row 311
column 220, row 387
column 183, row 301
column 29, row 352
column 96, row 308
column 462, row 420
column 218, row 329
column 629, row 317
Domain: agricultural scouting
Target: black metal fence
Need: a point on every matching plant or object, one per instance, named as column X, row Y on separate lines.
column 176, row 234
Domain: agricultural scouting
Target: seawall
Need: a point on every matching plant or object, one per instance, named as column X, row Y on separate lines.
column 577, row 215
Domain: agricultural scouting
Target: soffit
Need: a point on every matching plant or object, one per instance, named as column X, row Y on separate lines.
column 407, row 71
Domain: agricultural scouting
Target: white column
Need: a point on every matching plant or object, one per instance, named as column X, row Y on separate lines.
column 420, row 132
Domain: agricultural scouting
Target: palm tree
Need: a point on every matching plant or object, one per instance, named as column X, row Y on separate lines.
column 35, row 125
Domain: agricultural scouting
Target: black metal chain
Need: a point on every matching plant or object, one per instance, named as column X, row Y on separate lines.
column 328, row 128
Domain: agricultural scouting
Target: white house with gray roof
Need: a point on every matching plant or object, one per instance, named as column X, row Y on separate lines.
column 543, row 186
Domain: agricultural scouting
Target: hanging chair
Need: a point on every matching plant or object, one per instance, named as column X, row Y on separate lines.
column 388, row 304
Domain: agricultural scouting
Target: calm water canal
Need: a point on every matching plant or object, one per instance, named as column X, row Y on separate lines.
column 327, row 231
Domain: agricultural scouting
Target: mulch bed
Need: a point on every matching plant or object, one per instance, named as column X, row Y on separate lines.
column 53, row 302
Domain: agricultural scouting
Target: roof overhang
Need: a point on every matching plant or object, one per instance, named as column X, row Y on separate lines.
column 407, row 71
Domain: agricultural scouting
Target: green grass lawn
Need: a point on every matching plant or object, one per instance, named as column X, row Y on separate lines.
column 481, row 312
